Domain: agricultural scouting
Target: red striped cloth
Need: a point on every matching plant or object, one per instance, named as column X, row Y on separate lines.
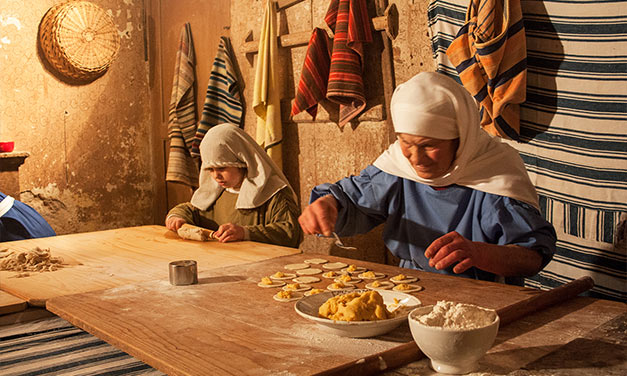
column 333, row 69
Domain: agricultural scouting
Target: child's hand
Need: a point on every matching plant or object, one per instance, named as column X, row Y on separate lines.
column 174, row 223
column 229, row 232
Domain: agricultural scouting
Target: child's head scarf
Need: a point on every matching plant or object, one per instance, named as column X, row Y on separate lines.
column 226, row 145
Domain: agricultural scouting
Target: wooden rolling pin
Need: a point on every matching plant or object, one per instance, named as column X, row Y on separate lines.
column 410, row 352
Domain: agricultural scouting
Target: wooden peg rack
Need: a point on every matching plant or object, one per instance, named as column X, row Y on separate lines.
column 388, row 22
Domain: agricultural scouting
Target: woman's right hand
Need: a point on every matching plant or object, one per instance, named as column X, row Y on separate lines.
column 320, row 216
column 174, row 223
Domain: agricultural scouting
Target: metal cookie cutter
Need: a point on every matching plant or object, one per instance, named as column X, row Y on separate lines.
column 183, row 272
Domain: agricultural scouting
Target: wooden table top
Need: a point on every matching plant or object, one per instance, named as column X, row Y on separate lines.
column 228, row 325
column 10, row 303
column 111, row 258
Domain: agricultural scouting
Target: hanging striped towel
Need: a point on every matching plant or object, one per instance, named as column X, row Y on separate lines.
column 223, row 102
column 266, row 101
column 342, row 81
column 490, row 55
column 182, row 167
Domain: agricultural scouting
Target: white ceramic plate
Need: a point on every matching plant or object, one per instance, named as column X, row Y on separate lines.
column 308, row 306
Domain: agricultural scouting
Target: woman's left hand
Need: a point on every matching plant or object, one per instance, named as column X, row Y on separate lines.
column 229, row 232
column 453, row 248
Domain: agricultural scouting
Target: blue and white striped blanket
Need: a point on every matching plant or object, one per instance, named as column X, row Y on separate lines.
column 573, row 130
column 53, row 346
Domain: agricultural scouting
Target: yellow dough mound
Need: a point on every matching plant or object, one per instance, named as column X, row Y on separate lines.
column 366, row 306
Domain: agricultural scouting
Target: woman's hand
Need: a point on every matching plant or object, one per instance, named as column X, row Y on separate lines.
column 320, row 216
column 453, row 248
column 174, row 223
column 229, row 232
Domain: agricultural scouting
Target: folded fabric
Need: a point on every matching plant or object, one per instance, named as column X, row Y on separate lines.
column 490, row 55
column 223, row 102
column 338, row 75
column 266, row 101
column 182, row 167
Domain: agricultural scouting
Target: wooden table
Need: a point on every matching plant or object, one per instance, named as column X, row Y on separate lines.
column 228, row 325
column 106, row 259
column 10, row 303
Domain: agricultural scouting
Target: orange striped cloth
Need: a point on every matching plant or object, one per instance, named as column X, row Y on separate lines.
column 490, row 55
column 333, row 69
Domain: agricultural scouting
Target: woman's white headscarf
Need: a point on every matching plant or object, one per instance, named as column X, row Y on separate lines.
column 435, row 106
column 226, row 145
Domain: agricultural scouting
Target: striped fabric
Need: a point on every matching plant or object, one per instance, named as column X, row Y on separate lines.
column 573, row 135
column 266, row 99
column 342, row 81
column 223, row 103
column 182, row 167
column 490, row 56
column 53, row 346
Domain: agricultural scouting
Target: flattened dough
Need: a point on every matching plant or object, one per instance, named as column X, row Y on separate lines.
column 274, row 284
column 292, row 287
column 296, row 266
column 334, row 265
column 306, row 279
column 353, row 269
column 313, row 292
column 383, row 285
column 406, row 279
column 293, row 296
column 412, row 288
column 336, row 287
column 316, row 261
column 285, row 276
column 309, row 271
column 371, row 275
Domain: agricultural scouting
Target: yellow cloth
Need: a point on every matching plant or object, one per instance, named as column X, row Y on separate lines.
column 266, row 100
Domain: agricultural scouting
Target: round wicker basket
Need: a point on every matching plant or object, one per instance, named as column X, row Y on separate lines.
column 79, row 39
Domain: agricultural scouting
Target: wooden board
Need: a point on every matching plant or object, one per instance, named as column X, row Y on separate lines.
column 228, row 325
column 106, row 259
column 10, row 303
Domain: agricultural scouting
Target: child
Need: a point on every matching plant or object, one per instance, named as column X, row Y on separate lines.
column 242, row 194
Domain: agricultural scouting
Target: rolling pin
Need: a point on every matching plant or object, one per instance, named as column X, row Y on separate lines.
column 192, row 232
column 409, row 352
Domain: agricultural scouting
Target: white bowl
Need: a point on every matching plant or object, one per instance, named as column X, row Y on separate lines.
column 452, row 351
column 308, row 306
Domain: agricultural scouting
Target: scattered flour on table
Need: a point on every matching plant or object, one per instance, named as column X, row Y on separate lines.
column 452, row 315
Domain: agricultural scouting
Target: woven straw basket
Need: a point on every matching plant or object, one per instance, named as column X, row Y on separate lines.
column 79, row 39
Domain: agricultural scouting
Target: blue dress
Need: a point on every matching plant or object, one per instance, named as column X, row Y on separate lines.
column 22, row 222
column 416, row 214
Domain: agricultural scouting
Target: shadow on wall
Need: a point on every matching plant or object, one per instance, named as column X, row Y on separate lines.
column 545, row 55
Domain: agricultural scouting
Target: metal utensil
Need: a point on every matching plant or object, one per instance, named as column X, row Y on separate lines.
column 339, row 244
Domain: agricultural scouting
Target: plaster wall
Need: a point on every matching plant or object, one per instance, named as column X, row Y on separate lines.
column 90, row 164
column 318, row 151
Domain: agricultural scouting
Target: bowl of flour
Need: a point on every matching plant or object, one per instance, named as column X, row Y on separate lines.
column 454, row 335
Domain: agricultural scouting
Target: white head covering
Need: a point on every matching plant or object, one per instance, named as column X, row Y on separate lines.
column 226, row 145
column 435, row 106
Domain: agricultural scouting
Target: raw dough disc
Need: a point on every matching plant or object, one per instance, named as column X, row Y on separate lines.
column 301, row 288
column 413, row 288
column 334, row 265
column 406, row 280
column 285, row 276
column 353, row 281
column 295, row 296
column 274, row 284
column 306, row 279
column 310, row 271
column 358, row 270
column 316, row 261
column 384, row 286
column 296, row 266
column 377, row 275
column 313, row 292
column 346, row 287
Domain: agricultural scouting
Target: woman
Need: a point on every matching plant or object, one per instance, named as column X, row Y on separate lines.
column 453, row 199
column 19, row 221
column 242, row 194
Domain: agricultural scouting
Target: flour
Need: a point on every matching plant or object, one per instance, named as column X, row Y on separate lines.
column 452, row 315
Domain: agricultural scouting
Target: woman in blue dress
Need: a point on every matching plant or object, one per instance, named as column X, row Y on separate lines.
column 19, row 221
column 453, row 199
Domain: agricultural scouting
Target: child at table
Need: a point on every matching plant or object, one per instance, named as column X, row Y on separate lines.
column 242, row 194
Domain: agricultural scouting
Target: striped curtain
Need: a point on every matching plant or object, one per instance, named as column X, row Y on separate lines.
column 223, row 102
column 182, row 167
column 573, row 130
